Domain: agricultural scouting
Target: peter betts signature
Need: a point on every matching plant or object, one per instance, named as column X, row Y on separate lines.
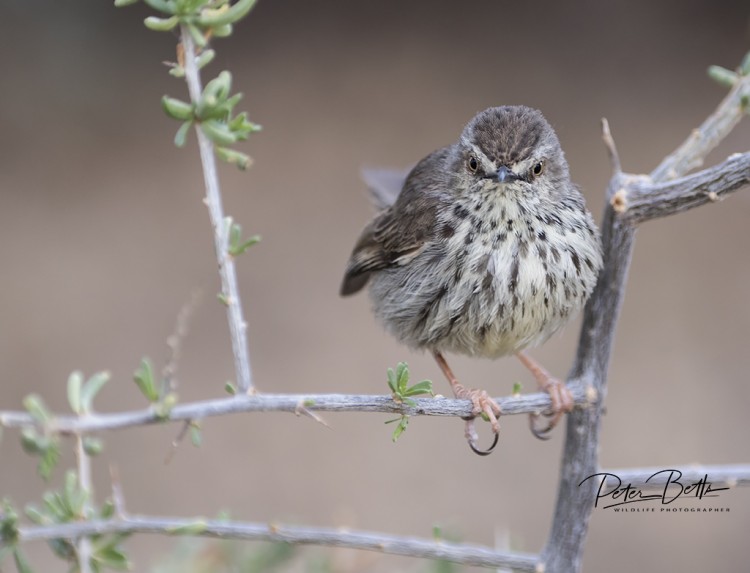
column 612, row 491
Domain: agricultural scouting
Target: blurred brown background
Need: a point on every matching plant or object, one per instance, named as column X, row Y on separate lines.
column 103, row 237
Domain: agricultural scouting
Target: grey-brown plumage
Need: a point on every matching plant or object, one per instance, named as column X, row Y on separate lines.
column 487, row 249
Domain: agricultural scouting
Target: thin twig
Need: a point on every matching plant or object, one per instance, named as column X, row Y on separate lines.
column 691, row 153
column 734, row 475
column 609, row 144
column 642, row 200
column 174, row 342
column 523, row 404
column 465, row 553
column 227, row 272
column 83, row 543
column 118, row 497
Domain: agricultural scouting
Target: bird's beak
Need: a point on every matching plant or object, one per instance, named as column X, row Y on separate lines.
column 505, row 175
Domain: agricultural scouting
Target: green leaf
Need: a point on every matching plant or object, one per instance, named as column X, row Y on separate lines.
column 230, row 388
column 423, row 387
column 34, row 514
column 92, row 387
column 163, row 409
column 35, row 406
column 517, row 389
column 205, row 57
column 48, row 461
column 236, row 247
column 197, row 35
column 21, row 564
column 107, row 510
column 392, row 381
column 222, row 31
column 75, row 381
column 402, row 376
column 745, row 65
column 161, row 24
column 218, row 132
column 163, row 6
column 722, row 76
column 221, row 17
column 176, row 71
column 401, row 428
column 92, row 446
column 237, row 158
column 196, row 437
column 144, row 379
column 123, row 3
column 177, row 109
column 113, row 558
column 31, row 442
column 223, row 299
column 188, row 529
column 219, row 87
column 180, row 138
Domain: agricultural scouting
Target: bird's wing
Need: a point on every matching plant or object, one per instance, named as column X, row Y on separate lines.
column 401, row 231
column 384, row 185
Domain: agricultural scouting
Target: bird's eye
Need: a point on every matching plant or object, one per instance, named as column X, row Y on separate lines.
column 473, row 164
column 538, row 169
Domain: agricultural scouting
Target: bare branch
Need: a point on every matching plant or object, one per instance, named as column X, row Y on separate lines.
column 227, row 272
column 701, row 141
column 641, row 200
column 736, row 475
column 524, row 404
column 409, row 546
column 564, row 550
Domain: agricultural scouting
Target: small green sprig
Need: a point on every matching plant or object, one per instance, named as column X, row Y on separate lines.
column 213, row 113
column 38, row 441
column 162, row 400
column 70, row 504
column 728, row 78
column 9, row 538
column 237, row 245
column 398, row 382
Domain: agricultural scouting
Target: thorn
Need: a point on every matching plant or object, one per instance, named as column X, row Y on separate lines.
column 118, row 498
column 609, row 143
column 177, row 441
column 300, row 410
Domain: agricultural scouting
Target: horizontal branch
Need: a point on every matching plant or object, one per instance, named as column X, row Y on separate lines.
column 295, row 403
column 733, row 475
column 640, row 199
column 467, row 554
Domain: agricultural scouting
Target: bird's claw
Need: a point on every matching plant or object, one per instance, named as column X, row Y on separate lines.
column 484, row 405
column 472, row 438
column 562, row 403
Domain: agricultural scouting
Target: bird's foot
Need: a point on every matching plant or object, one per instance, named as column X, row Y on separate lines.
column 482, row 405
column 562, row 403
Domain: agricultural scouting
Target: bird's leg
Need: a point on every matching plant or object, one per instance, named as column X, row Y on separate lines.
column 562, row 399
column 481, row 402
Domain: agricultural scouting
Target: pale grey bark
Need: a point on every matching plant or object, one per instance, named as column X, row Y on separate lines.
column 630, row 199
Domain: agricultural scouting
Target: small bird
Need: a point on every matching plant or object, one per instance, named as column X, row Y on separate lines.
column 487, row 248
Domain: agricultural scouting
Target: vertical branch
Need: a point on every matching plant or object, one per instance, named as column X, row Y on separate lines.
column 227, row 272
column 83, row 545
column 564, row 549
